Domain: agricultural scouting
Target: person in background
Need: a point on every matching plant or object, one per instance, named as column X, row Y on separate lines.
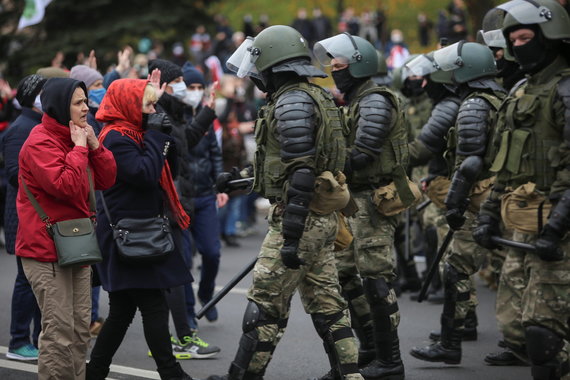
column 53, row 164
column 205, row 161
column 186, row 134
column 25, row 310
column 144, row 188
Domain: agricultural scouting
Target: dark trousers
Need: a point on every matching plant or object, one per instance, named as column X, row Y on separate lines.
column 206, row 235
column 24, row 310
column 123, row 305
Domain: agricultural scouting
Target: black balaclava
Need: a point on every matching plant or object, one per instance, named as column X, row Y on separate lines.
column 511, row 73
column 537, row 53
column 436, row 91
column 274, row 81
column 413, row 87
column 56, row 98
column 343, row 80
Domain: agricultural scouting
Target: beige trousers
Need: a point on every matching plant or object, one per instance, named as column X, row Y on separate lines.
column 64, row 298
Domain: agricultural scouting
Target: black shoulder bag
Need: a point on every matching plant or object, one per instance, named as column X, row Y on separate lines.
column 142, row 240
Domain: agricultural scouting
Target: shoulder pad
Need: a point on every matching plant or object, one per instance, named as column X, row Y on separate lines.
column 295, row 104
column 295, row 114
column 472, row 121
column 375, row 108
column 374, row 123
column 442, row 118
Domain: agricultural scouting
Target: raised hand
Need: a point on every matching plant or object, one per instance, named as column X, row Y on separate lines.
column 212, row 98
column 92, row 140
column 92, row 60
column 154, row 79
column 78, row 134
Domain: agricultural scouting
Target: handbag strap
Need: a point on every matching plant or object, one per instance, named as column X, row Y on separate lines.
column 40, row 210
column 106, row 209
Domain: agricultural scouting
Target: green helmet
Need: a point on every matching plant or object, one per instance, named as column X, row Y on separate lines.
column 423, row 65
column 400, row 74
column 357, row 52
column 549, row 15
column 273, row 45
column 382, row 66
column 466, row 60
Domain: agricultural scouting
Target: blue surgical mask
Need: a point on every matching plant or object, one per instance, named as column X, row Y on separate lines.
column 96, row 96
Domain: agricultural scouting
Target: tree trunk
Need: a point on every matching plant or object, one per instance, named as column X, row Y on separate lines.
column 476, row 10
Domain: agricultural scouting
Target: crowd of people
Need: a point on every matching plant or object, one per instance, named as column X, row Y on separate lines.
column 475, row 132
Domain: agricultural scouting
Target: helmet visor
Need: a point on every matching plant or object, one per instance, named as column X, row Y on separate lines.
column 527, row 12
column 420, row 66
column 242, row 61
column 448, row 58
column 340, row 47
column 494, row 38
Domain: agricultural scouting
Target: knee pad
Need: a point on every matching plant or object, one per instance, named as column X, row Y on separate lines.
column 542, row 344
column 451, row 277
column 376, row 289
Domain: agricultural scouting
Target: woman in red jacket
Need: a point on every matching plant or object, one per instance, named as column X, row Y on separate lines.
column 53, row 163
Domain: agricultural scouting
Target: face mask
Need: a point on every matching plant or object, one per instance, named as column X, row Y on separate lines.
column 436, row 91
column 178, row 90
column 193, row 98
column 529, row 55
column 413, row 87
column 343, row 80
column 38, row 103
column 96, row 96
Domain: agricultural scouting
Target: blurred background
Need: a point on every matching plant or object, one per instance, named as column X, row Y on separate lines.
column 61, row 33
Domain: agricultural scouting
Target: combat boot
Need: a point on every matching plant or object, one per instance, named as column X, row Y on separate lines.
column 469, row 332
column 448, row 350
column 386, row 368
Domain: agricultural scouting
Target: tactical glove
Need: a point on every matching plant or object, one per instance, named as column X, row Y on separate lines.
column 455, row 218
column 222, row 182
column 548, row 245
column 289, row 254
column 159, row 122
column 487, row 227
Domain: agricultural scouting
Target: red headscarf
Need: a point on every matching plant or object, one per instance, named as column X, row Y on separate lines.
column 121, row 111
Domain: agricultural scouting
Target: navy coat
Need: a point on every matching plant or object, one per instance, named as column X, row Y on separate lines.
column 137, row 194
column 12, row 143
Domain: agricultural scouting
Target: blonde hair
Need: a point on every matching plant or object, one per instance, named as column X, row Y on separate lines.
column 149, row 95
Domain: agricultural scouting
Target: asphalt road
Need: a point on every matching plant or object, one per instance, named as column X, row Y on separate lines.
column 300, row 354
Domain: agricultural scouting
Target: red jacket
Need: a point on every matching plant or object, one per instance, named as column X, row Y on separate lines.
column 55, row 171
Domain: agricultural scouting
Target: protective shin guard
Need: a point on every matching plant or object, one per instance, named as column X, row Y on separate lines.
column 323, row 324
column 388, row 363
column 361, row 320
column 250, row 344
column 543, row 346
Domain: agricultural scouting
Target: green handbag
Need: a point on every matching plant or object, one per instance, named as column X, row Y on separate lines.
column 75, row 239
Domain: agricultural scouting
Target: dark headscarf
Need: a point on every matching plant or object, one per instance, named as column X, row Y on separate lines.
column 56, row 98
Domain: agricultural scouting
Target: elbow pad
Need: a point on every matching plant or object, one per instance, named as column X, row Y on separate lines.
column 299, row 195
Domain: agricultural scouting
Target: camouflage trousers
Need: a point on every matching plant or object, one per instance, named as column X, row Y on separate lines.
column 466, row 257
column 274, row 285
column 534, row 292
column 370, row 255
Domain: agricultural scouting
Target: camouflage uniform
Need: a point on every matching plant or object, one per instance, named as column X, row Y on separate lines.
column 533, row 135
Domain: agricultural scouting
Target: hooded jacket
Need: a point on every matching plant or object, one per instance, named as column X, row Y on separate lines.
column 55, row 171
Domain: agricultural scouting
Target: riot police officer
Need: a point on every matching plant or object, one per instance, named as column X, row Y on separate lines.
column 299, row 143
column 532, row 191
column 377, row 157
column 473, row 68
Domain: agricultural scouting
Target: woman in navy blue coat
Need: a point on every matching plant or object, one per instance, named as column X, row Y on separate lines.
column 144, row 189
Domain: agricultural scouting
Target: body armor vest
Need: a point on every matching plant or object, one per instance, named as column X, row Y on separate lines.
column 418, row 111
column 271, row 173
column 394, row 155
column 528, row 136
